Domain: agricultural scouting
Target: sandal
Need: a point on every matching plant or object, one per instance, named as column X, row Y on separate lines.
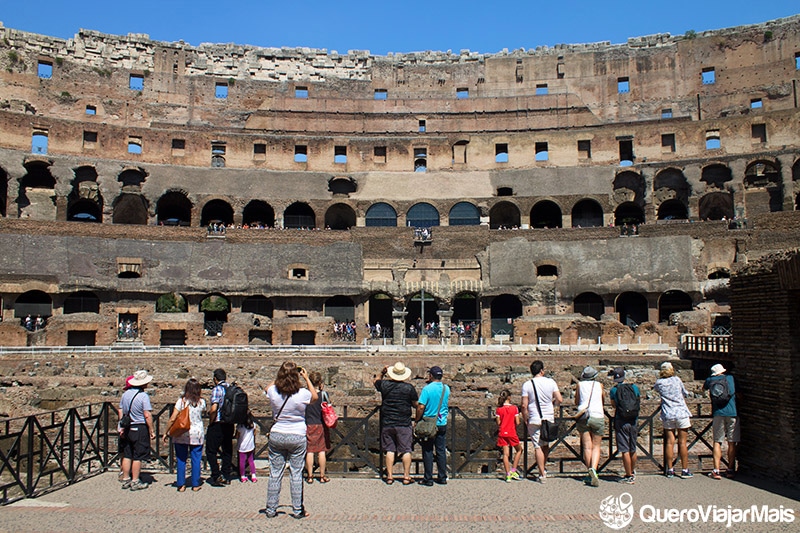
column 389, row 481
column 182, row 488
column 309, row 480
column 324, row 479
column 408, row 481
column 195, row 489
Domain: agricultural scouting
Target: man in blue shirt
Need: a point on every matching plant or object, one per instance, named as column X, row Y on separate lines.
column 433, row 402
column 726, row 420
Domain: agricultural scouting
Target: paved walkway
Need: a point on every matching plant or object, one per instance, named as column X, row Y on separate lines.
column 347, row 504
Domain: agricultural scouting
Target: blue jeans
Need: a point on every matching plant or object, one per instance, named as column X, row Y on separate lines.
column 439, row 444
column 182, row 452
column 283, row 448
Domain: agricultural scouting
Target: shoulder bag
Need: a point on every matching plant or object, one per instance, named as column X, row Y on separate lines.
column 125, row 421
column 426, row 428
column 181, row 423
column 550, row 430
column 583, row 414
column 329, row 416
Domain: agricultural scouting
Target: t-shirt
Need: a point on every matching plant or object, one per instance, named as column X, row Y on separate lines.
column 397, row 400
column 292, row 419
column 247, row 438
column 141, row 403
column 728, row 409
column 545, row 388
column 430, row 397
column 508, row 424
column 673, row 405
column 612, row 395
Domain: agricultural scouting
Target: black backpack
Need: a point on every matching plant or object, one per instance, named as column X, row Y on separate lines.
column 234, row 406
column 719, row 392
column 627, row 401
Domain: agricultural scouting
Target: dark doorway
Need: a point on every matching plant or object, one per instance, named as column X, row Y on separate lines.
column 505, row 308
column 587, row 214
column 589, row 304
column 673, row 302
column 504, row 215
column 258, row 213
column 299, row 216
column 304, row 338
column 632, row 309
column 380, row 311
column 340, row 217
column 546, row 214
column 81, row 338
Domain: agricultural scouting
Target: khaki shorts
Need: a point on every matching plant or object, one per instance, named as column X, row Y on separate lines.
column 726, row 428
column 594, row 425
column 677, row 423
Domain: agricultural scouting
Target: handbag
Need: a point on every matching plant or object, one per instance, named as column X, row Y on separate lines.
column 181, row 423
column 426, row 427
column 549, row 430
column 583, row 414
column 329, row 416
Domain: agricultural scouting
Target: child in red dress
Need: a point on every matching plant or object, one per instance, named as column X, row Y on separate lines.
column 508, row 418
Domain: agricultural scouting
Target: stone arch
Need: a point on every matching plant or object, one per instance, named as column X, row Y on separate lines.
column 422, row 215
column 587, row 213
column 716, row 176
column 215, row 308
column 546, row 214
column 258, row 213
column 342, row 185
column 36, row 198
column 628, row 213
column 589, row 304
column 763, row 187
column 504, row 215
column 381, row 215
column 464, row 214
column 671, row 193
column 258, row 305
column 632, row 308
column 340, row 217
column 132, row 179
column 415, row 304
column 81, row 302
column 172, row 302
column 340, row 308
column 299, row 215
column 673, row 210
column 504, row 309
column 629, row 186
column 85, row 203
column 33, row 303
column 174, row 209
column 129, row 208
column 217, row 210
column 673, row 301
column 716, row 206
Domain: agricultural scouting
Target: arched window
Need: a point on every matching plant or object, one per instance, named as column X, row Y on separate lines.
column 504, row 215
column 218, row 211
column 546, row 214
column 422, row 215
column 381, row 215
column 632, row 309
column 464, row 214
column 299, row 215
column 174, row 209
column 340, row 217
column 33, row 303
column 589, row 304
column 587, row 214
column 258, row 213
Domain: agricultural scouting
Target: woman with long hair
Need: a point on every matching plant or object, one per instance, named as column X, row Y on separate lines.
column 189, row 443
column 287, row 438
column 675, row 417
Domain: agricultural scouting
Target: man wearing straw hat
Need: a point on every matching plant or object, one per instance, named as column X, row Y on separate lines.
column 398, row 399
column 135, row 442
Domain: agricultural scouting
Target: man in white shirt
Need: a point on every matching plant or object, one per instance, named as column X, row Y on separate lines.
column 549, row 398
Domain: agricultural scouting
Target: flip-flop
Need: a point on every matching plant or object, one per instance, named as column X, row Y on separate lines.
column 408, row 481
column 324, row 479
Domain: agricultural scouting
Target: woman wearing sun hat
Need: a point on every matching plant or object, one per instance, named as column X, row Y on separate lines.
column 398, row 403
column 135, row 442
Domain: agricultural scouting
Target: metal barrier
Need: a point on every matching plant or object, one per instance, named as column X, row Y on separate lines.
column 44, row 452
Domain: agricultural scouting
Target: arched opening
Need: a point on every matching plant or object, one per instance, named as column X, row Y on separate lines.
column 340, row 217
column 257, row 214
column 174, row 209
column 380, row 312
column 673, row 210
column 629, row 187
column 673, row 302
column 81, row 302
column 36, row 198
column 504, row 309
column 84, row 211
column 33, row 304
column 763, row 185
column 215, row 309
column 258, row 305
column 720, row 273
column 216, row 211
column 628, row 213
column 546, row 214
column 547, row 271
column 132, row 179
column 464, row 214
column 632, row 309
column 85, row 203
column 421, row 317
column 342, row 185
column 716, row 206
column 504, row 215
column 422, row 215
column 381, row 215
column 130, row 208
column 589, row 304
column 171, row 302
column 340, row 308
column 587, row 214
column 299, row 215
column 715, row 176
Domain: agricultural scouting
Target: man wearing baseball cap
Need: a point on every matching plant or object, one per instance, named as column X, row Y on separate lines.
column 725, row 425
column 433, row 402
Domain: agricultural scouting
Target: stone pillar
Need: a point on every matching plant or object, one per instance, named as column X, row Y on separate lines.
column 445, row 319
column 398, row 326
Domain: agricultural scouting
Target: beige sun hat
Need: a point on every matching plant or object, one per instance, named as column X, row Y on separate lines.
column 399, row 372
column 140, row 377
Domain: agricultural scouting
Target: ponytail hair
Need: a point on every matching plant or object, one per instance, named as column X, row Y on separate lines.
column 504, row 395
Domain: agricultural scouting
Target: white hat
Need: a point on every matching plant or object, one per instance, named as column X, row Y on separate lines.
column 140, row 377
column 399, row 372
column 666, row 365
column 717, row 369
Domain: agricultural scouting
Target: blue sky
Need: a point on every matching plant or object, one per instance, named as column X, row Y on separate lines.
column 389, row 26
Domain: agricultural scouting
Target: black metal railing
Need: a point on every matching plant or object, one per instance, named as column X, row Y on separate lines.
column 44, row 452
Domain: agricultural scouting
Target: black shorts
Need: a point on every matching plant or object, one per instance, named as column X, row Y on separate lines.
column 136, row 444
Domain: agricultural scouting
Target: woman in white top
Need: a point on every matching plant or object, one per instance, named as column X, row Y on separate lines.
column 287, row 438
column 591, row 420
column 190, row 442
